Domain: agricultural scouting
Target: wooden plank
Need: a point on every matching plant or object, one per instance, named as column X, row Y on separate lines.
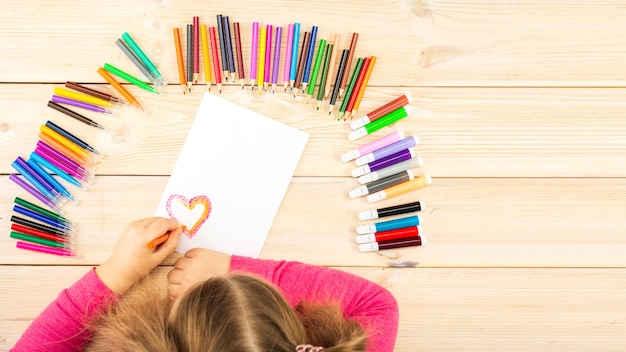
column 475, row 132
column 467, row 222
column 446, row 309
column 443, row 43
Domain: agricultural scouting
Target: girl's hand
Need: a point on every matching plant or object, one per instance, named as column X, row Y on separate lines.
column 197, row 265
column 132, row 259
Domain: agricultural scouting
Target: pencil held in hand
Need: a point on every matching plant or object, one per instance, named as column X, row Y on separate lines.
column 157, row 241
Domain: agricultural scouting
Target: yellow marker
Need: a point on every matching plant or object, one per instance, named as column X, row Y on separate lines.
column 81, row 97
column 404, row 187
column 66, row 142
column 205, row 56
column 260, row 72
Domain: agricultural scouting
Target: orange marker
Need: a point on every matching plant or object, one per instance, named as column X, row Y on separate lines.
column 119, row 88
column 66, row 142
column 179, row 60
column 404, row 187
column 359, row 96
column 81, row 160
column 157, row 241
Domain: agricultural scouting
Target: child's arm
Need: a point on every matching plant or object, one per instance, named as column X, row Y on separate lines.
column 61, row 326
column 371, row 305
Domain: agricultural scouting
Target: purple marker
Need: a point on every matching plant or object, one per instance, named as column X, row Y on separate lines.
column 27, row 169
column 372, row 146
column 277, row 43
column 79, row 104
column 58, row 163
column 388, row 150
column 389, row 160
column 62, row 157
column 28, row 188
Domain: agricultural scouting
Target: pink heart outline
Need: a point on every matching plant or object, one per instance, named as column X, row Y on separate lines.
column 190, row 204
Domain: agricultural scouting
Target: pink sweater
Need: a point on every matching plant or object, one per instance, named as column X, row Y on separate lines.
column 60, row 326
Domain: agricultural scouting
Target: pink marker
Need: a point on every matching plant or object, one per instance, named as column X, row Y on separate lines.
column 46, row 249
column 373, row 146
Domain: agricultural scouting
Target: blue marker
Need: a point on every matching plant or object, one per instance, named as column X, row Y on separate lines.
column 294, row 54
column 60, row 225
column 409, row 221
column 53, row 168
column 57, row 186
column 20, row 166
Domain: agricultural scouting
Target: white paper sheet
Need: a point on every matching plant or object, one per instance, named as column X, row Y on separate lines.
column 230, row 177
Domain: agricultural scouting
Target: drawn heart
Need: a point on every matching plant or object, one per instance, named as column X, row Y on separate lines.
column 185, row 214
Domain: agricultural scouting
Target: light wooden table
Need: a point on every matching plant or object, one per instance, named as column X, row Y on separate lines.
column 520, row 109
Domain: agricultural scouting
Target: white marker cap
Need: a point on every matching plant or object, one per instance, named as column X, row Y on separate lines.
column 368, row 214
column 360, row 171
column 378, row 196
column 358, row 192
column 357, row 134
column 370, row 237
column 361, row 230
column 353, row 154
column 372, row 176
column 358, row 123
column 367, row 158
column 368, row 247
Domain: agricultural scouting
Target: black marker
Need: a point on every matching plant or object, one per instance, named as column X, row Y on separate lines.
column 393, row 210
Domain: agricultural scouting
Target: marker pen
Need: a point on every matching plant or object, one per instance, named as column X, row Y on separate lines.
column 388, row 150
column 46, row 220
column 51, row 180
column 389, row 160
column 53, row 168
column 381, row 184
column 395, row 234
column 380, row 123
column 404, row 187
column 374, row 145
column 397, row 103
column 376, row 246
column 408, row 221
column 392, row 210
column 391, row 170
column 40, row 185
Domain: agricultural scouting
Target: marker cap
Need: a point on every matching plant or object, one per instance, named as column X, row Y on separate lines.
column 360, row 171
column 361, row 230
column 358, row 192
column 353, row 154
column 368, row 238
column 368, row 215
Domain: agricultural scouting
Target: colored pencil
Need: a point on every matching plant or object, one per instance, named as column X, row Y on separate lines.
column 306, row 74
column 222, row 43
column 129, row 97
column 340, row 71
column 196, row 49
column 205, row 56
column 179, row 60
column 217, row 71
column 240, row 69
column 321, row 49
column 228, row 40
column 254, row 52
column 368, row 74
column 261, row 64
column 344, row 79
column 287, row 67
column 357, row 86
column 190, row 48
column 269, row 29
column 333, row 59
column 275, row 68
column 350, row 88
column 320, row 92
column 74, row 115
column 294, row 54
column 301, row 63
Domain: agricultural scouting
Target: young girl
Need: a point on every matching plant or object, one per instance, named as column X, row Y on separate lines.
column 214, row 302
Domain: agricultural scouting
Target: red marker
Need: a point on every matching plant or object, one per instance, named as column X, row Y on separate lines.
column 395, row 234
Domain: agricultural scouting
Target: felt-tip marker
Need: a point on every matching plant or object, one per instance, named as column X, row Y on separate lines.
column 378, row 246
column 389, row 160
column 380, row 123
column 392, row 210
column 401, row 188
column 397, row 103
column 373, row 145
column 414, row 220
column 389, row 235
column 381, row 184
column 391, row 170
column 388, row 150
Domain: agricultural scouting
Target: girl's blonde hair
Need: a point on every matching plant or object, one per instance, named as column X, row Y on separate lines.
column 228, row 313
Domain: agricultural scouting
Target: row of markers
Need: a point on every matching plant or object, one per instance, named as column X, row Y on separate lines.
column 302, row 70
column 61, row 153
column 384, row 169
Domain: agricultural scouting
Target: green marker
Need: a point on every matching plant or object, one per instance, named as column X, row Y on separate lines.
column 380, row 123
column 129, row 40
column 316, row 67
column 40, row 210
column 38, row 240
column 131, row 79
